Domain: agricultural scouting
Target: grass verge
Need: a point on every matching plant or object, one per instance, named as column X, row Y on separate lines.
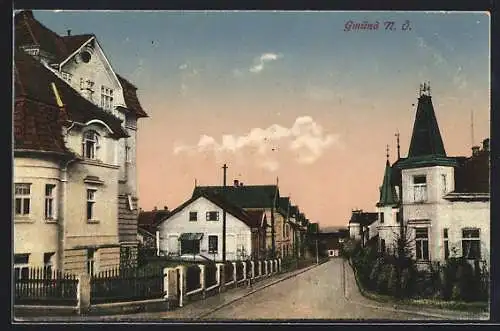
column 475, row 307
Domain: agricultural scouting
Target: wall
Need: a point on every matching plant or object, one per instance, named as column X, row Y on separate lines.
column 179, row 223
column 38, row 172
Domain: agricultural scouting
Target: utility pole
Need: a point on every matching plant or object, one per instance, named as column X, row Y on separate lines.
column 224, row 217
column 317, row 253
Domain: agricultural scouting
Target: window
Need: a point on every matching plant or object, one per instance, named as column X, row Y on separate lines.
column 422, row 243
column 471, row 244
column 190, row 247
column 130, row 202
column 381, row 217
column 445, row 244
column 91, row 261
column 127, row 154
column 397, row 217
column 213, row 244
column 47, row 264
column 21, row 267
column 287, row 230
column 193, row 216
column 22, row 195
column 212, row 215
column 90, row 145
column 90, row 204
column 419, row 188
column 49, row 201
column 66, row 76
column 444, row 184
column 106, row 98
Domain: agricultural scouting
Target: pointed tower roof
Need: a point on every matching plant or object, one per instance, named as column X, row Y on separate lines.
column 388, row 196
column 426, row 146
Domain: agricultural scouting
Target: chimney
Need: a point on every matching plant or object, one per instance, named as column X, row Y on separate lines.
column 241, row 184
column 69, row 32
column 165, row 208
column 236, row 183
column 486, row 145
column 475, row 150
column 155, row 209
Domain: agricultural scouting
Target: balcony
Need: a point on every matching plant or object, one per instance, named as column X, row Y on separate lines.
column 419, row 193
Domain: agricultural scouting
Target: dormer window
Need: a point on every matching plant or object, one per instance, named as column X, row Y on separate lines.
column 90, row 145
column 106, row 98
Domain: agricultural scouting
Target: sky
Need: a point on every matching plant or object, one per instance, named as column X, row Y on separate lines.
column 293, row 96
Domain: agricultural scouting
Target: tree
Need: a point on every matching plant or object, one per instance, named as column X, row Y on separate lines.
column 402, row 258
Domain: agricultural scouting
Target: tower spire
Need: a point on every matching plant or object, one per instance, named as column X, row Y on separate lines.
column 397, row 141
column 387, row 151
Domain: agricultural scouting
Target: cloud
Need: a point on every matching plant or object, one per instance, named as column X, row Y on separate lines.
column 262, row 60
column 183, row 66
column 305, row 139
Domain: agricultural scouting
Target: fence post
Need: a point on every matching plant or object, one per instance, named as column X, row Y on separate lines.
column 276, row 265
column 235, row 275
column 222, row 277
column 252, row 264
column 83, row 294
column 202, row 279
column 279, row 265
column 183, row 284
column 265, row 267
column 260, row 268
column 166, row 288
column 244, row 270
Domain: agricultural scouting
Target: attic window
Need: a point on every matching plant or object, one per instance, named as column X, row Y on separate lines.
column 85, row 56
column 421, row 179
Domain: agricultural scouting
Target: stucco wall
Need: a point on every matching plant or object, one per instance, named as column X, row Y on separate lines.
column 238, row 234
column 33, row 234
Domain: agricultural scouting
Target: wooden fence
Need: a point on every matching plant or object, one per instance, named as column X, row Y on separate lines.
column 46, row 287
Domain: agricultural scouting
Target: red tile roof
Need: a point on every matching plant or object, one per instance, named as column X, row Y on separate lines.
column 38, row 119
column 131, row 99
column 29, row 31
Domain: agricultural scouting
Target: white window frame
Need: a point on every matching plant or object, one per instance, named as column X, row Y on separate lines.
column 49, row 209
column 444, row 183
column 106, row 98
column 446, row 244
column 127, row 154
column 422, row 240
column 419, row 189
column 21, row 266
column 189, row 216
column 130, row 202
column 48, row 264
column 209, row 213
column 91, row 193
column 91, row 261
column 91, row 136
column 22, row 192
column 471, row 239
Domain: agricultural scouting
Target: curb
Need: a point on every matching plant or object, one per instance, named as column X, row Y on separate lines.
column 394, row 309
column 258, row 289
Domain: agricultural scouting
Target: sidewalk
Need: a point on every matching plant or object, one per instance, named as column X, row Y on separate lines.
column 190, row 311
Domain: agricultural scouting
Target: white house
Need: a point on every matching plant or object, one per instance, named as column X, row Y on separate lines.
column 445, row 200
column 194, row 230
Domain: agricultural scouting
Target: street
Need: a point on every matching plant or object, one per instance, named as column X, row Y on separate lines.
column 319, row 294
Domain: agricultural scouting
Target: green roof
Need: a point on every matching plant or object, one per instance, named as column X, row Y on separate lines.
column 388, row 194
column 251, row 196
column 426, row 138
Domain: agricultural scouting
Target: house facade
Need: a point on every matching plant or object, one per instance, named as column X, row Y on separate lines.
column 193, row 231
column 445, row 200
column 69, row 158
column 254, row 198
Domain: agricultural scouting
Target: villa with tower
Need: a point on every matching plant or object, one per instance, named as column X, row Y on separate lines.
column 442, row 201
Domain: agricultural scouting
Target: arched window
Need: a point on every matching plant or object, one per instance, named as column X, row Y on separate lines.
column 90, row 144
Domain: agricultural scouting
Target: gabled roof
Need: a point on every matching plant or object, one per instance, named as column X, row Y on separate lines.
column 284, row 206
column 30, row 32
column 388, row 194
column 252, row 220
column 38, row 119
column 252, row 196
column 149, row 220
column 426, row 138
column 131, row 99
column 258, row 218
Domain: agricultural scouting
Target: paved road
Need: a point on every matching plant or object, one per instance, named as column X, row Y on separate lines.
column 320, row 293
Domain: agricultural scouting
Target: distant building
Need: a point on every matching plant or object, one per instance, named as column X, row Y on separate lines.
column 361, row 225
column 147, row 225
column 193, row 231
column 445, row 200
column 331, row 240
